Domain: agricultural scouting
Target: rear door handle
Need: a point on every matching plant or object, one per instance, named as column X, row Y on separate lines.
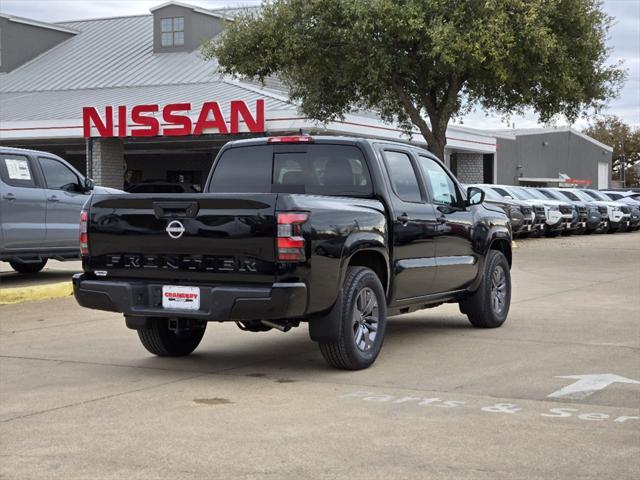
column 403, row 218
column 9, row 196
column 53, row 198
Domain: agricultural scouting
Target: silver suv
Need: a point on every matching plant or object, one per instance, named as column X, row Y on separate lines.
column 41, row 197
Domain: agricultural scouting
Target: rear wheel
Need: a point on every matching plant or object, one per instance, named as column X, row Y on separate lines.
column 28, row 267
column 488, row 306
column 363, row 322
column 165, row 338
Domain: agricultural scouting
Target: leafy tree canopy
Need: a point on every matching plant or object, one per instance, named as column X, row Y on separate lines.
column 624, row 139
column 413, row 60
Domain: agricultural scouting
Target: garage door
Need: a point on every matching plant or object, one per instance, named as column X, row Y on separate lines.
column 603, row 174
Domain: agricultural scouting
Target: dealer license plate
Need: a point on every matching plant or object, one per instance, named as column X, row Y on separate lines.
column 180, row 298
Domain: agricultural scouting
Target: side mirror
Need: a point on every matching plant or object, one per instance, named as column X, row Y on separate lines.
column 88, row 184
column 475, row 196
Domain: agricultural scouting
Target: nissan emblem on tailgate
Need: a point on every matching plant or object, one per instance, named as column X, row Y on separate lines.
column 175, row 229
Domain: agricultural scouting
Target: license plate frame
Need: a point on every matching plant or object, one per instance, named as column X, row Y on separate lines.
column 180, row 297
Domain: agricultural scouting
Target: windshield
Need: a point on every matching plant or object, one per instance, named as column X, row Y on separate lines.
column 570, row 195
column 582, row 194
column 535, row 193
column 595, row 195
column 549, row 194
column 491, row 194
column 611, row 196
column 521, row 193
column 501, row 191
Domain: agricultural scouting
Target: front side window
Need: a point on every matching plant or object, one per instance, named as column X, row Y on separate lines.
column 403, row 177
column 172, row 31
column 58, row 176
column 443, row 190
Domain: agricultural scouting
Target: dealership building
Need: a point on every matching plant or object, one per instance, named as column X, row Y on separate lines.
column 130, row 99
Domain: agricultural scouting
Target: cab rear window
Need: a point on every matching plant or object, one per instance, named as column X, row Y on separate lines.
column 312, row 169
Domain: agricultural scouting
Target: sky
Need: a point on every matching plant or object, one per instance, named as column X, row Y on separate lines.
column 624, row 43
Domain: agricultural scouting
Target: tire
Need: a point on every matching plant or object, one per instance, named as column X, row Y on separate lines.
column 355, row 349
column 552, row 234
column 482, row 307
column 28, row 267
column 158, row 339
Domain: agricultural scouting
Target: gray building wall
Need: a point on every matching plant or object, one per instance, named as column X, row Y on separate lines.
column 546, row 155
column 20, row 42
column 197, row 28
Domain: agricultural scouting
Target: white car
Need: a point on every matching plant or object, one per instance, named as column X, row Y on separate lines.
column 619, row 214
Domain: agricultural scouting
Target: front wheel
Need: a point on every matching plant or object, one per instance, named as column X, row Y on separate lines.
column 363, row 322
column 488, row 306
column 28, row 267
column 158, row 338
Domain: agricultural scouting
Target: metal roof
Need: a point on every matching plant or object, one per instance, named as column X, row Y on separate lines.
column 115, row 52
column 520, row 132
column 57, row 105
column 36, row 23
column 111, row 62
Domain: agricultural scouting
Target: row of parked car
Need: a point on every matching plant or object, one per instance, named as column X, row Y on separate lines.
column 537, row 211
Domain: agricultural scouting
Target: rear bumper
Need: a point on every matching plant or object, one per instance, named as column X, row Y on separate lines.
column 217, row 302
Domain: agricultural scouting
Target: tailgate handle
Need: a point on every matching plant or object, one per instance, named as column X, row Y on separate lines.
column 175, row 209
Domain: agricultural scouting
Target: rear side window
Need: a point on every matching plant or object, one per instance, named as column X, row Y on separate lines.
column 323, row 170
column 16, row 171
column 312, row 169
column 403, row 177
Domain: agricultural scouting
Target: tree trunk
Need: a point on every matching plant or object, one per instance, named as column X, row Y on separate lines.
column 437, row 145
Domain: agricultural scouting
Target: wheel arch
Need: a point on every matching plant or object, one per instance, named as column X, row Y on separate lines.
column 502, row 245
column 373, row 259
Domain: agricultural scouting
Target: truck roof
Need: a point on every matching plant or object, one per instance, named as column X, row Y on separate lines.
column 301, row 139
column 23, row 151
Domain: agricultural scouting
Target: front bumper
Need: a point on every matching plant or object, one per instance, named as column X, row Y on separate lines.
column 217, row 302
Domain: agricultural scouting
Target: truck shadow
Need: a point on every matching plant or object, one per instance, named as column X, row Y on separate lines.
column 274, row 353
column 15, row 279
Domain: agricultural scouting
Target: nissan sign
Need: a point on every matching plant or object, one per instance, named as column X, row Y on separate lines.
column 172, row 120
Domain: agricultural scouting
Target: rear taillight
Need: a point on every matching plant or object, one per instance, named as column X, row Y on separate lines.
column 291, row 139
column 84, row 236
column 290, row 240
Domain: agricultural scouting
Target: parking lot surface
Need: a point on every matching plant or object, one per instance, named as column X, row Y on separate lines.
column 81, row 398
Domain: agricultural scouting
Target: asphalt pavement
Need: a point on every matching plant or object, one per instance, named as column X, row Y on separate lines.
column 552, row 394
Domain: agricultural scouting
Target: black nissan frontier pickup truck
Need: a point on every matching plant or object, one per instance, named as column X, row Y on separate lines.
column 340, row 233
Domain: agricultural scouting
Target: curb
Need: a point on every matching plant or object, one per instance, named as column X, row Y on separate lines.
column 38, row 292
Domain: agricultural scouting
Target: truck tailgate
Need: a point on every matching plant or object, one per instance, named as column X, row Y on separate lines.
column 197, row 238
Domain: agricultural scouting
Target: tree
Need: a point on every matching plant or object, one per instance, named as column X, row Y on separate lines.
column 625, row 141
column 411, row 59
